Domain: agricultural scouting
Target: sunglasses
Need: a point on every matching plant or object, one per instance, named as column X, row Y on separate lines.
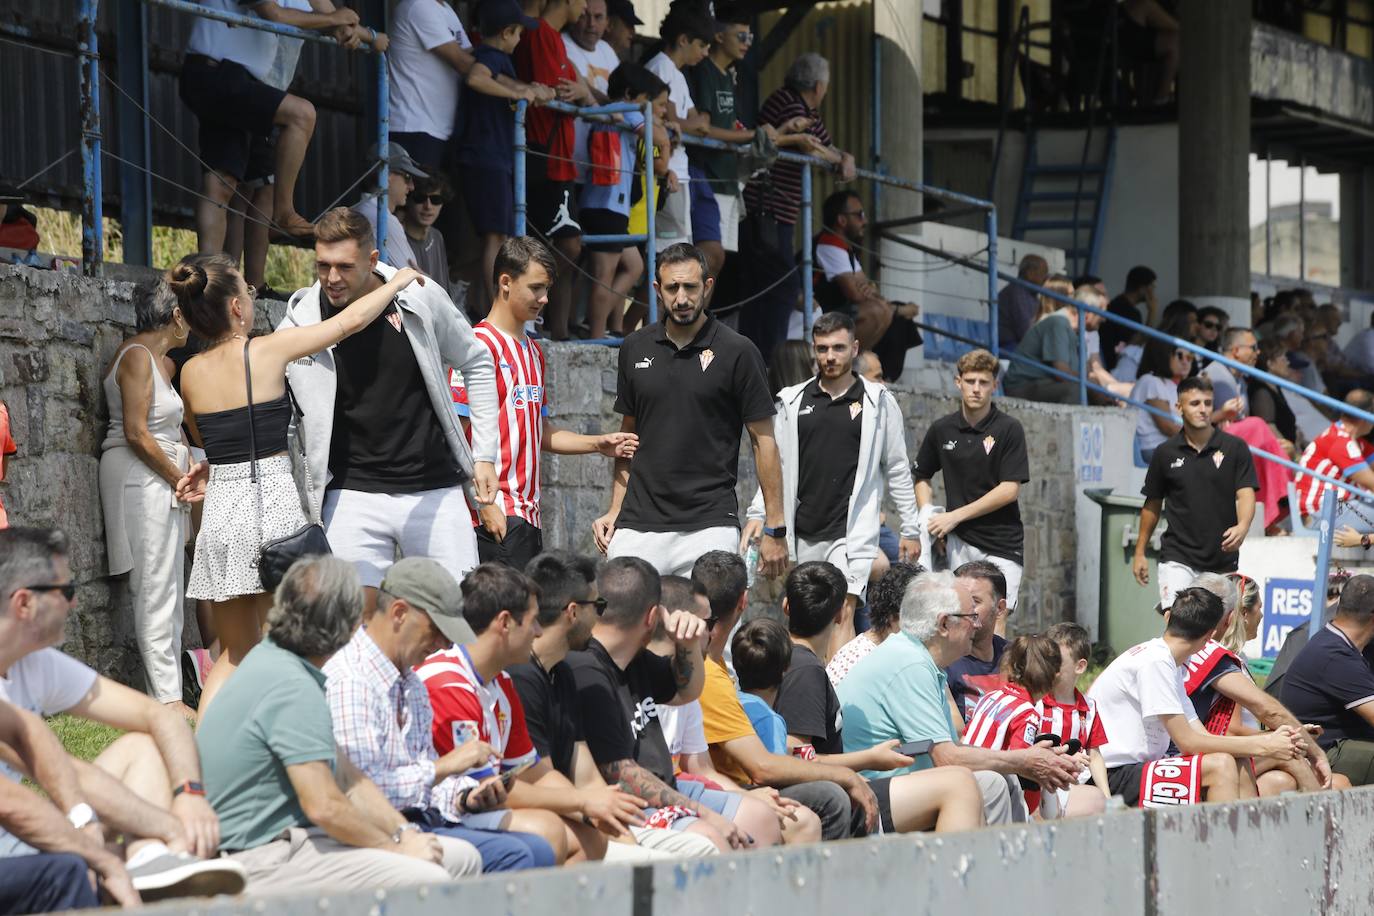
column 435, row 199
column 744, row 37
column 1184, row 354
column 68, row 591
column 859, row 213
column 598, row 603
column 1212, row 325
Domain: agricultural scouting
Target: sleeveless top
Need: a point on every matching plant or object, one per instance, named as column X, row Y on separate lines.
column 164, row 413
column 225, row 432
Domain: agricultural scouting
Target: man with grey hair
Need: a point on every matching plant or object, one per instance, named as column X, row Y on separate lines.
column 1230, row 388
column 1018, row 306
column 773, row 202
column 296, row 813
column 899, row 691
column 1053, row 341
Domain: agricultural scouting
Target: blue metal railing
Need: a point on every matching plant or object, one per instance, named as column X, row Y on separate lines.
column 88, row 56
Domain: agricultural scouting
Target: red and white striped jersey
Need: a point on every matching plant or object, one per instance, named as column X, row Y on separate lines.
column 1331, row 453
column 1004, row 719
column 520, row 393
column 1077, row 720
column 466, row 707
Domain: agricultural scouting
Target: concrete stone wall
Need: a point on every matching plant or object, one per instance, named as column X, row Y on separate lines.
column 57, row 336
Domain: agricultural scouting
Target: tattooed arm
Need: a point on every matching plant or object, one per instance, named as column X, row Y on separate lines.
column 689, row 672
column 636, row 780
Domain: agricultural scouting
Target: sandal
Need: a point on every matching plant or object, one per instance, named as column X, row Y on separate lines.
column 296, row 229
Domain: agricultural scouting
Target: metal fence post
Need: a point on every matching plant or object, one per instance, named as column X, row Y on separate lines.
column 1326, row 530
column 993, row 318
column 383, row 139
column 520, row 206
column 650, row 204
column 92, row 190
column 806, row 277
column 1082, row 358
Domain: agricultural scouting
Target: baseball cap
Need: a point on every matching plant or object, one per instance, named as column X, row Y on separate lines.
column 398, row 160
column 496, row 15
column 426, row 585
column 623, row 10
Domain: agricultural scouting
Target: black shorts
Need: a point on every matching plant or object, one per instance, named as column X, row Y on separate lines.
column 882, row 791
column 489, row 195
column 551, row 206
column 596, row 221
column 235, row 111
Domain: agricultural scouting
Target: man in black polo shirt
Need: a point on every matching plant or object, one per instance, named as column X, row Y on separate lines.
column 842, row 443
column 1330, row 684
column 686, row 385
column 982, row 453
column 1205, row 482
column 568, row 608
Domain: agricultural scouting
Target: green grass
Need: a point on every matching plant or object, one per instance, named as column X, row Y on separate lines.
column 81, row 738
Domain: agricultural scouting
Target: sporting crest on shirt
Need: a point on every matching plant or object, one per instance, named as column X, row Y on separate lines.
column 394, row 317
column 1218, row 458
column 855, row 409
column 463, row 732
column 706, row 356
column 988, row 443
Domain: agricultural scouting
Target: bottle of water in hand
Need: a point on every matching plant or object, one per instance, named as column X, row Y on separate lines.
column 751, row 560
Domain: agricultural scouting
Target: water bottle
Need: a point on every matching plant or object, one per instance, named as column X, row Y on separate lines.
column 751, row 560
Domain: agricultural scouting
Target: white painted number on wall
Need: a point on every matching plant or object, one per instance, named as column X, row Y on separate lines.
column 1089, row 453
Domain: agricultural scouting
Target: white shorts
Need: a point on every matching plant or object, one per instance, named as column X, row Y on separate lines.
column 1173, row 578
column 672, row 553
column 832, row 552
column 731, row 208
column 673, row 223
column 373, row 530
column 961, row 552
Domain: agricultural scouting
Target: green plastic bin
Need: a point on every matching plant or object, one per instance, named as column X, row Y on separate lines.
column 1127, row 610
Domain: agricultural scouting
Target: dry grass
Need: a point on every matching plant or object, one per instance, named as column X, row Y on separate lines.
column 288, row 268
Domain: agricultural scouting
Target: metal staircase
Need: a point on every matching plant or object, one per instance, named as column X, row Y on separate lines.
column 1064, row 203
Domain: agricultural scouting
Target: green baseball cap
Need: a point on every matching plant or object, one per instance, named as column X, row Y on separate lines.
column 424, row 584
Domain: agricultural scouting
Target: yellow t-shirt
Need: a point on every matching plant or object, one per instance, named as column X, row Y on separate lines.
column 723, row 719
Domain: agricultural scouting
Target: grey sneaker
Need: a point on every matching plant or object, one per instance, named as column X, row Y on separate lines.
column 181, row 875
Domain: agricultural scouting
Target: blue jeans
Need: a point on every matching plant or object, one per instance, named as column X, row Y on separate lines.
column 44, row 882
column 501, row 850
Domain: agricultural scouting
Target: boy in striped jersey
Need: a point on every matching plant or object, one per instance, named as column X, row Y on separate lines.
column 1066, row 712
column 509, row 530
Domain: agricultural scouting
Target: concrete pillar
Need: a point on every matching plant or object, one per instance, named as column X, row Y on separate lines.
column 1213, row 155
column 897, row 131
column 1357, row 226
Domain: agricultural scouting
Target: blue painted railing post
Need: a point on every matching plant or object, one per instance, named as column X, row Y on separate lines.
column 1082, row 356
column 650, row 205
column 383, row 139
column 92, row 190
column 520, row 204
column 1326, row 531
column 806, row 277
column 991, row 228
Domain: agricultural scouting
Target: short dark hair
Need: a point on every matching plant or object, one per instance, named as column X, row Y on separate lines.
column 983, row 569
column 1195, row 383
column 435, row 182
column 815, row 592
column 831, row 323
column 680, row 253
column 686, row 20
column 725, row 578
column 630, row 586
column 885, row 595
column 1211, row 311
column 834, row 207
column 1357, row 598
column 492, row 588
column 1233, row 336
column 679, row 593
column 1086, row 280
column 27, row 556
column 761, row 653
column 1194, row 613
column 515, row 256
column 1074, row 636
column 1139, row 277
column 631, row 79
column 562, row 577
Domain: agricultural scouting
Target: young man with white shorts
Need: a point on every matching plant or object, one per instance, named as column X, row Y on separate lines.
column 389, row 465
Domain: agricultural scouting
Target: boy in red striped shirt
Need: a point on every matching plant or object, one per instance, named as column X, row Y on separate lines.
column 510, row 529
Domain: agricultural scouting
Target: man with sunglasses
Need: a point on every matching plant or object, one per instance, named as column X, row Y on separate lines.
column 147, row 784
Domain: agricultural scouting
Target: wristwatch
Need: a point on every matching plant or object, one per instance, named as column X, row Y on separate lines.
column 396, row 834
column 1364, row 541
column 779, row 532
column 82, row 815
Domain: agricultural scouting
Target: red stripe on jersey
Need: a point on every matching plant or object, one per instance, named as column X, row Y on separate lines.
column 1077, row 720
column 468, row 708
column 1004, row 719
column 520, row 394
column 1331, row 453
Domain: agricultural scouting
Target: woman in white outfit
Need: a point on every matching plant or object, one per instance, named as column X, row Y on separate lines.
column 239, row 515
column 143, row 457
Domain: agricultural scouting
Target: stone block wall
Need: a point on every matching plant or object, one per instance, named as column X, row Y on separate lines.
column 58, row 333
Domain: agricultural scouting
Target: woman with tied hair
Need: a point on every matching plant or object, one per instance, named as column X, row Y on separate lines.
column 240, row 515
column 143, row 458
column 1162, row 366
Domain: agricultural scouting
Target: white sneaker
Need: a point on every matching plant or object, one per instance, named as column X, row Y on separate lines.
column 158, row 874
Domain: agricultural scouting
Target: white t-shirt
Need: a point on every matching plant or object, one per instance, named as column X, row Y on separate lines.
column 662, row 67
column 1142, row 684
column 1150, row 387
column 254, row 49
column 835, row 261
column 424, row 88
column 595, row 66
column 45, row 683
column 288, row 51
column 683, row 728
column 397, row 251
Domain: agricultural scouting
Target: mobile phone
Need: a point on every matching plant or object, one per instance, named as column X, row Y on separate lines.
column 915, row 748
column 508, row 776
column 1052, row 738
column 1074, row 746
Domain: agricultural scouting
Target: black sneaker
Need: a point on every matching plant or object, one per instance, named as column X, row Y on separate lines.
column 164, row 875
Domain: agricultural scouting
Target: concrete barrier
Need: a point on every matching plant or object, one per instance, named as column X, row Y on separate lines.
column 1291, row 855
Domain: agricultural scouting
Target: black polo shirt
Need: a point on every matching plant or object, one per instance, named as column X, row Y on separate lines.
column 828, row 458
column 689, row 408
column 552, row 715
column 1327, row 684
column 619, row 709
column 1199, row 493
column 974, row 460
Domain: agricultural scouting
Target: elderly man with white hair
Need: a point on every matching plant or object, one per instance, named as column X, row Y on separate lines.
column 899, row 691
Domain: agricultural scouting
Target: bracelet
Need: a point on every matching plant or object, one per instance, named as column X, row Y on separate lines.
column 1364, row 541
column 373, row 33
column 188, row 787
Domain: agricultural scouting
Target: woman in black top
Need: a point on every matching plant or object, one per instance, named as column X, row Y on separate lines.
column 1267, row 401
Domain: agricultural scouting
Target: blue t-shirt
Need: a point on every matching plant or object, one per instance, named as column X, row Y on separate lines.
column 614, row 197
column 1327, row 683
column 770, row 726
column 486, row 124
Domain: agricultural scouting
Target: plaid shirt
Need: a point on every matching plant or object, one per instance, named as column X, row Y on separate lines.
column 382, row 721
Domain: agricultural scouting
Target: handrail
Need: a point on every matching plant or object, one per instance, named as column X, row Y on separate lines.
column 89, row 62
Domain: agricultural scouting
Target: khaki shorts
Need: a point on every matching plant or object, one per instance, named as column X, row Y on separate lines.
column 673, row 223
